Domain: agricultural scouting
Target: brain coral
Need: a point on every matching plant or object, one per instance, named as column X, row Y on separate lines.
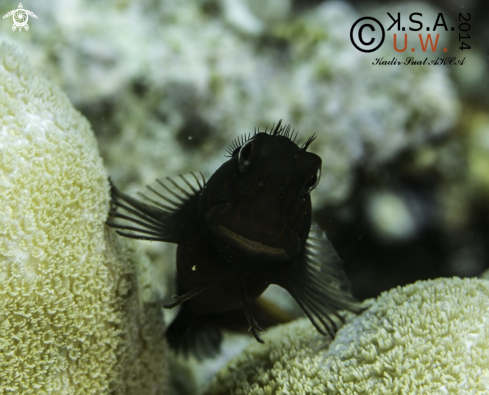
column 71, row 316
column 430, row 337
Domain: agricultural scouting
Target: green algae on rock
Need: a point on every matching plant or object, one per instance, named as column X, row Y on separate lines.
column 72, row 320
column 429, row 337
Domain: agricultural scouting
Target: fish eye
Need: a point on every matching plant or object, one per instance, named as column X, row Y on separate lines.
column 244, row 156
column 313, row 182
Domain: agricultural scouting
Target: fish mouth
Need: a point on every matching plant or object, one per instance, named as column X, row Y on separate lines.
column 248, row 238
column 252, row 246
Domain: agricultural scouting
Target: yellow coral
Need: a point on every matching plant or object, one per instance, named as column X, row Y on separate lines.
column 71, row 318
column 430, row 337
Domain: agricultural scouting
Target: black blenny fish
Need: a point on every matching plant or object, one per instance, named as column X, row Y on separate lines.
column 247, row 227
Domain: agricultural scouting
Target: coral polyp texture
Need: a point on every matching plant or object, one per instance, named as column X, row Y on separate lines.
column 430, row 337
column 72, row 320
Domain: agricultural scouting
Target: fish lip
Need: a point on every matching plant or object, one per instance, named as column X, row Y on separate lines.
column 252, row 246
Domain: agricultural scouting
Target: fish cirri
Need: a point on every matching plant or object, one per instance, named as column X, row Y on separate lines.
column 247, row 227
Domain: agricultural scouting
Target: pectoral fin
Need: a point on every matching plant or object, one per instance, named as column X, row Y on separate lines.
column 319, row 284
column 168, row 206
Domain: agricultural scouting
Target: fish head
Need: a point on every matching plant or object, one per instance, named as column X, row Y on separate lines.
column 256, row 207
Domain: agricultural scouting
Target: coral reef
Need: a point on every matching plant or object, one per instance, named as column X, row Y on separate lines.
column 485, row 275
column 429, row 337
column 163, row 97
column 165, row 100
column 72, row 316
column 167, row 85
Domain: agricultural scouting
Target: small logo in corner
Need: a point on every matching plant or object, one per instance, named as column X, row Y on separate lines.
column 20, row 17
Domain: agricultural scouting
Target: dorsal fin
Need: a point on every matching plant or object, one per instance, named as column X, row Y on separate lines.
column 166, row 207
column 319, row 284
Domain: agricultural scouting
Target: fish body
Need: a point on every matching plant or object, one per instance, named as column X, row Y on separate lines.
column 247, row 227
